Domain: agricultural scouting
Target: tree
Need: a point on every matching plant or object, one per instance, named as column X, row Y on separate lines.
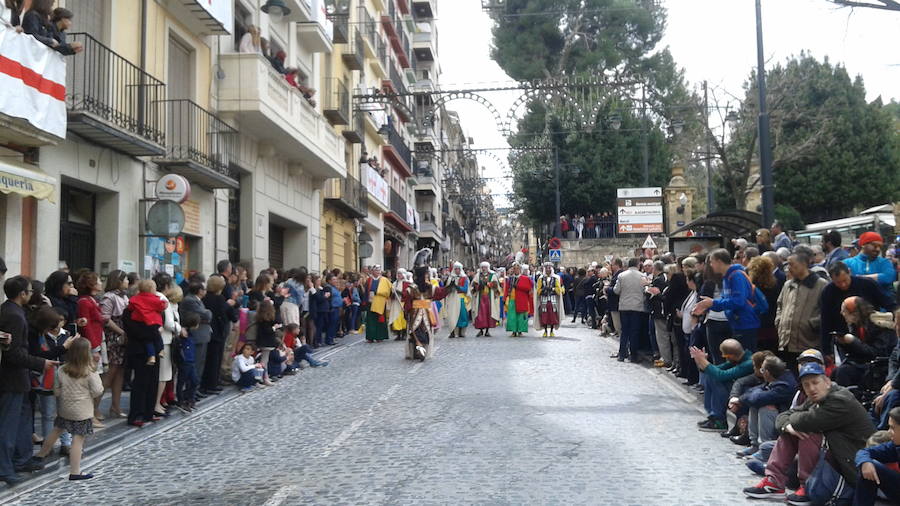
column 614, row 39
column 888, row 5
column 832, row 151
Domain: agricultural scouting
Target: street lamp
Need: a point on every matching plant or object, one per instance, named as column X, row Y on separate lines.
column 276, row 9
column 765, row 143
column 677, row 126
column 615, row 121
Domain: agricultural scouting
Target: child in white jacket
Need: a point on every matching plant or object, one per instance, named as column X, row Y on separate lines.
column 244, row 370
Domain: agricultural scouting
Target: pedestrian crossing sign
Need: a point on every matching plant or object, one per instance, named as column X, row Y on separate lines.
column 556, row 255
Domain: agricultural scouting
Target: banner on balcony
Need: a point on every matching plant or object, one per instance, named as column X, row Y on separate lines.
column 32, row 82
column 377, row 186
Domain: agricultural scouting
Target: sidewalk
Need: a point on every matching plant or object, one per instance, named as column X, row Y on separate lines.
column 117, row 436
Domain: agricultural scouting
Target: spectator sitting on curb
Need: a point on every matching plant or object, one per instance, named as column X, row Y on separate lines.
column 830, row 411
column 877, row 468
column 766, row 401
column 717, row 380
column 738, row 434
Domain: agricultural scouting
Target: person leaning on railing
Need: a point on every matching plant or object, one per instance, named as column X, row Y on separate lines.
column 49, row 26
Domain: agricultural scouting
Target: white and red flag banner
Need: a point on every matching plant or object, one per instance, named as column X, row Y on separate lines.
column 32, row 81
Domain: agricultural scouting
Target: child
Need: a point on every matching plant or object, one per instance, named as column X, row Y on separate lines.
column 244, row 370
column 294, row 340
column 185, row 358
column 147, row 311
column 51, row 341
column 76, row 386
column 265, row 333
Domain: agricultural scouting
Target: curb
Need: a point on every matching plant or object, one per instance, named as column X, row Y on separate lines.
column 122, row 437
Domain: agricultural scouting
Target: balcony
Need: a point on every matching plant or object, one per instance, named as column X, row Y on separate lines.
column 377, row 188
column 369, row 29
column 426, row 183
column 429, row 229
column 113, row 103
column 199, row 146
column 349, row 195
column 356, row 131
column 32, row 111
column 341, row 27
column 271, row 109
column 397, row 151
column 424, row 9
column 354, row 55
column 398, row 212
column 403, row 6
column 393, row 28
column 301, row 11
column 379, row 64
column 373, row 121
column 424, row 46
column 336, row 102
column 316, row 35
column 201, row 16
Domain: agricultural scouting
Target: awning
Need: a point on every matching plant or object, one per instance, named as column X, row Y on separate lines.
column 736, row 223
column 16, row 178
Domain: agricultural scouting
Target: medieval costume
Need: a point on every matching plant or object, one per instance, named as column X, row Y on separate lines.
column 397, row 318
column 485, row 295
column 549, row 300
column 379, row 289
column 501, row 281
column 436, row 305
column 455, row 310
column 518, row 294
column 422, row 319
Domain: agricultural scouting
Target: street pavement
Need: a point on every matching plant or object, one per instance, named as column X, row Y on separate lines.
column 494, row 420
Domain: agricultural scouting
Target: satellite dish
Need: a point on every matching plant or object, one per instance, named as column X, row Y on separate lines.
column 165, row 218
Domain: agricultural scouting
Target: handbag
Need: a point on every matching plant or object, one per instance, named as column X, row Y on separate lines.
column 825, row 485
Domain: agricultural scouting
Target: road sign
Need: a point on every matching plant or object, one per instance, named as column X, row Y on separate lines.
column 556, row 255
column 555, row 243
column 649, row 243
column 639, row 210
column 624, row 193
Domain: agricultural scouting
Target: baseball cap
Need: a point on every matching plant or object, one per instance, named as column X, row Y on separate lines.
column 811, row 369
column 813, row 354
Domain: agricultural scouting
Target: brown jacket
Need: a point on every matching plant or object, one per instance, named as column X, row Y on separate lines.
column 799, row 315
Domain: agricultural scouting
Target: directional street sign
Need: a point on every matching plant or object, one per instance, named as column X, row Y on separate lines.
column 639, row 210
column 556, row 255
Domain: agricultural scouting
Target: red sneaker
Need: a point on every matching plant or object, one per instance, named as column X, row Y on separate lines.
column 765, row 489
column 799, row 497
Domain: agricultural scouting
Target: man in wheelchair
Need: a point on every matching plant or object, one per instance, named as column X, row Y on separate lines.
column 867, row 341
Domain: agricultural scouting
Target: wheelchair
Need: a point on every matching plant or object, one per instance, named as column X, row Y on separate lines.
column 873, row 378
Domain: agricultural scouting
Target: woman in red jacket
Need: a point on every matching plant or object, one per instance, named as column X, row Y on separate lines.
column 89, row 288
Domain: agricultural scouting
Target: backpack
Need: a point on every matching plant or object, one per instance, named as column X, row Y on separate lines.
column 757, row 299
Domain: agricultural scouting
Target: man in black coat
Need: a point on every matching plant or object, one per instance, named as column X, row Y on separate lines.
column 843, row 285
column 15, row 410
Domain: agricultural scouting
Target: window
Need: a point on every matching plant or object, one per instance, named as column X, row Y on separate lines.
column 242, row 21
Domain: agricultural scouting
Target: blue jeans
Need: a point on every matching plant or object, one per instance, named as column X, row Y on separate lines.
column 866, row 490
column 15, row 432
column 716, row 332
column 187, row 382
column 47, row 408
column 353, row 319
column 715, row 396
column 629, row 339
column 747, row 338
column 891, row 401
column 334, row 320
column 321, row 323
column 248, row 378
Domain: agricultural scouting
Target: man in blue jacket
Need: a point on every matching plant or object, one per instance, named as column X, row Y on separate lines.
column 735, row 299
column 874, row 474
column 717, row 380
column 870, row 264
column 766, row 401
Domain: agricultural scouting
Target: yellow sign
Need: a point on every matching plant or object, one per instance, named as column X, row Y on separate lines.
column 26, row 182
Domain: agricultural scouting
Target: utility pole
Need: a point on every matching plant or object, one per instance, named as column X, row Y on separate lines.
column 645, row 155
column 765, row 145
column 556, row 227
column 710, row 197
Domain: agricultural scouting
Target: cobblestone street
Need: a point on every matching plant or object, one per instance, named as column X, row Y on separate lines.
column 487, row 421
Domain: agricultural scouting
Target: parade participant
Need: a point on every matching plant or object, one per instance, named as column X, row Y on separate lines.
column 485, row 296
column 501, row 282
column 549, row 300
column 379, row 289
column 436, row 305
column 518, row 296
column 423, row 293
column 397, row 318
column 455, row 310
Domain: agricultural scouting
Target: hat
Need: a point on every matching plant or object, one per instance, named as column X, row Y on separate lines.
column 868, row 237
column 810, row 369
column 813, row 354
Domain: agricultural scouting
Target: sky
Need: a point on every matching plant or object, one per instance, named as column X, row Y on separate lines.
column 712, row 40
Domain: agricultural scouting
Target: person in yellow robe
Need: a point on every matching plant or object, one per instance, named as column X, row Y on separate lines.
column 379, row 288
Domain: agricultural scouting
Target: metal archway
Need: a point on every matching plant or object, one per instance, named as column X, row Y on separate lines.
column 445, row 98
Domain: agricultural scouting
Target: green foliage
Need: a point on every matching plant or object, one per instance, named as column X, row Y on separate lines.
column 589, row 37
column 833, row 151
column 789, row 217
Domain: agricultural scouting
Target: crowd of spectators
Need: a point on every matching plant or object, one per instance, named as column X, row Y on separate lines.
column 67, row 342
column 793, row 348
